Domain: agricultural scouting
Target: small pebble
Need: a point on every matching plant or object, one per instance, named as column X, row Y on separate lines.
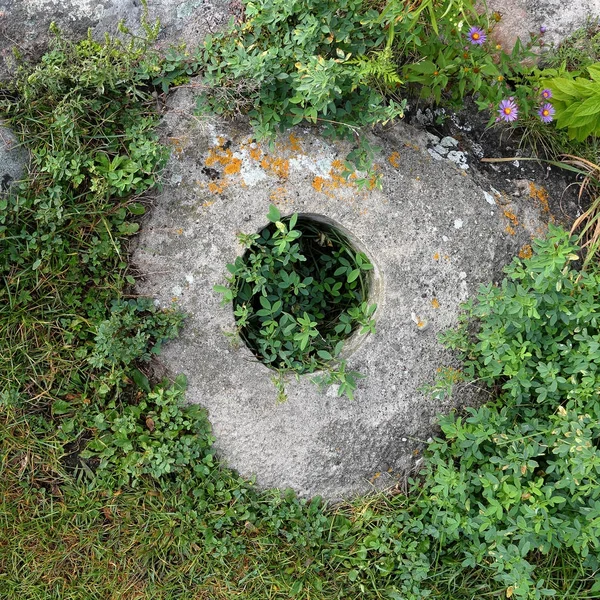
column 449, row 142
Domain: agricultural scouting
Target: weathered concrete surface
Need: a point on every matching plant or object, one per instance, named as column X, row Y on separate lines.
column 522, row 17
column 24, row 23
column 434, row 235
column 13, row 159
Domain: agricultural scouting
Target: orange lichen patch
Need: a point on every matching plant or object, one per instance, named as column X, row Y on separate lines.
column 219, row 156
column 511, row 217
column 526, row 251
column 436, row 256
column 177, row 143
column 540, row 194
column 255, row 153
column 435, row 303
column 394, row 159
column 208, row 203
column 233, row 167
column 510, row 230
column 295, row 144
column 446, row 257
column 374, row 180
column 280, row 167
column 336, row 180
column 216, row 187
column 179, row 231
column 318, row 183
column 221, row 141
column 413, row 146
column 278, row 195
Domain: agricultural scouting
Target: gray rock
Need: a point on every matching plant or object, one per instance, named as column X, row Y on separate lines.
column 13, row 159
column 432, row 152
column 316, row 442
column 520, row 17
column 460, row 158
column 449, row 142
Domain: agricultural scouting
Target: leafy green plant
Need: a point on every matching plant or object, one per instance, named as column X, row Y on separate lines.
column 577, row 102
column 520, row 475
column 297, row 293
column 442, row 62
column 86, row 112
column 155, row 436
column 301, row 56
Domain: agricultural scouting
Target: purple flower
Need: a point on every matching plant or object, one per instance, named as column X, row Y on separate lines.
column 477, row 35
column 542, row 30
column 546, row 112
column 546, row 94
column 508, row 110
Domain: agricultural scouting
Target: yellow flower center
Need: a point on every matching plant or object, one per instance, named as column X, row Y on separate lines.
column 475, row 35
column 507, row 110
column 545, row 112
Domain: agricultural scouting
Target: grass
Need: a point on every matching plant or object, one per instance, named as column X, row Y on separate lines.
column 579, row 50
column 73, row 373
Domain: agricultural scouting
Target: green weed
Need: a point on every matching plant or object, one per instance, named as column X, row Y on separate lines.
column 298, row 292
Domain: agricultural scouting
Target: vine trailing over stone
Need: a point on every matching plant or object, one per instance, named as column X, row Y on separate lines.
column 298, row 292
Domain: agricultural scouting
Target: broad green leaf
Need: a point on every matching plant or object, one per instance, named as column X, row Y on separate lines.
column 140, row 380
column 353, row 275
column 591, row 106
column 61, row 407
column 273, row 215
column 135, row 208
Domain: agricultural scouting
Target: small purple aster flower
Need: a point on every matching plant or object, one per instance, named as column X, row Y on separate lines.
column 477, row 35
column 508, row 110
column 542, row 30
column 546, row 112
column 546, row 94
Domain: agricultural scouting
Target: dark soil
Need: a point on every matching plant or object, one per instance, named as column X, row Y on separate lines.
column 469, row 126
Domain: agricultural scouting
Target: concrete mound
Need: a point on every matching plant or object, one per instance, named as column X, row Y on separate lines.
column 434, row 235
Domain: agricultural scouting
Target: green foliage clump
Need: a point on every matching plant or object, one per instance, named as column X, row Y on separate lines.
column 576, row 98
column 292, row 61
column 87, row 116
column 155, row 436
column 508, row 502
column 299, row 291
column 519, row 476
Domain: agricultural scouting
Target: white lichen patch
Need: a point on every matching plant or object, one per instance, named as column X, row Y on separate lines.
column 489, row 198
column 75, row 9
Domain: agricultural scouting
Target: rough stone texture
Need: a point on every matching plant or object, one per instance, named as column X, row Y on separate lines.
column 434, row 235
column 560, row 18
column 13, row 159
column 24, row 23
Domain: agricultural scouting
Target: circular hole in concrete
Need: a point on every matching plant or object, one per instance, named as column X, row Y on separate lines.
column 302, row 309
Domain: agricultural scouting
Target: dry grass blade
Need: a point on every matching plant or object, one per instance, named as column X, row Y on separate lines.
column 587, row 225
